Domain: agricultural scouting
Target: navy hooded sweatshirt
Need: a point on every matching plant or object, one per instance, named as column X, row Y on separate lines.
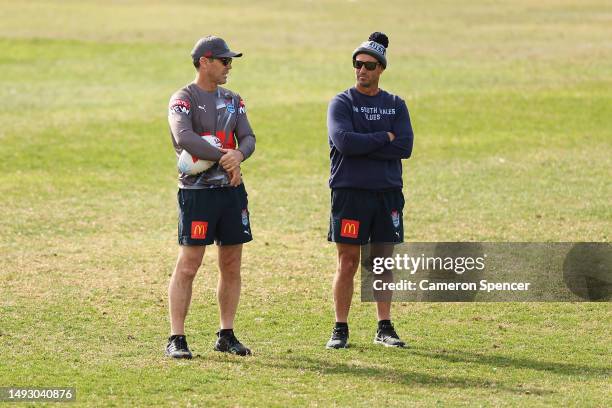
column 361, row 154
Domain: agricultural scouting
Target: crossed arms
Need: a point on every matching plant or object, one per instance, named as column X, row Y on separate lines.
column 393, row 145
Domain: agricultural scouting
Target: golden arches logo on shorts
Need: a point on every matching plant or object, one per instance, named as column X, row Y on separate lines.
column 349, row 228
column 199, row 229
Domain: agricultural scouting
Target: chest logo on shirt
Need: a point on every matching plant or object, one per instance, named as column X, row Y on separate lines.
column 373, row 113
column 230, row 108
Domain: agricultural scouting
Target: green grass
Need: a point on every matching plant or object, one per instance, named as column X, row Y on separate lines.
column 511, row 109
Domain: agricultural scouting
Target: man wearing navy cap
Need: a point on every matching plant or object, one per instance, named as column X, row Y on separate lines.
column 213, row 205
column 369, row 134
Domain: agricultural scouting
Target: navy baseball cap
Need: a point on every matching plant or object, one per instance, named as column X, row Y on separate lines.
column 212, row 46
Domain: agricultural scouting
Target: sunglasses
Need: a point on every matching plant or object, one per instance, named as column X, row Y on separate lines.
column 370, row 65
column 224, row 60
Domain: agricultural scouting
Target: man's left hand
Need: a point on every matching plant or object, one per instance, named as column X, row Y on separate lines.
column 231, row 159
column 235, row 177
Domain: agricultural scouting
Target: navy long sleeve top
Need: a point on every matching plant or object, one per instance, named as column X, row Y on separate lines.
column 360, row 151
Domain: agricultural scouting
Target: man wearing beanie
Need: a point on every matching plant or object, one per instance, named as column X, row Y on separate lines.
column 212, row 205
column 369, row 133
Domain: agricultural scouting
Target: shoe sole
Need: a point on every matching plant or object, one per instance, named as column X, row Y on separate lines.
column 235, row 354
column 337, row 348
column 180, row 356
column 389, row 345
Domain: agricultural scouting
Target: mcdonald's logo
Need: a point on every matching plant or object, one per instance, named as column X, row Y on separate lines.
column 349, row 228
column 198, row 229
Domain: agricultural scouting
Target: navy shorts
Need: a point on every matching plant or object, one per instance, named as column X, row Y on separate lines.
column 210, row 215
column 363, row 216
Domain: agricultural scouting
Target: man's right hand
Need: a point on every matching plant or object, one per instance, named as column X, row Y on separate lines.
column 235, row 177
column 391, row 136
column 231, row 159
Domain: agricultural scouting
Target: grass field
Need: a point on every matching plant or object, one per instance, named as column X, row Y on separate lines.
column 510, row 103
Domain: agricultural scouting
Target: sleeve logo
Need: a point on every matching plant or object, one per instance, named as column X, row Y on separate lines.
column 180, row 106
column 241, row 107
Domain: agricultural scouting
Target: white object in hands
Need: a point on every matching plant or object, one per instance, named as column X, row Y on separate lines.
column 191, row 165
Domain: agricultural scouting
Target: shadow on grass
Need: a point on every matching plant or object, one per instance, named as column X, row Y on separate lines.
column 386, row 374
column 455, row 356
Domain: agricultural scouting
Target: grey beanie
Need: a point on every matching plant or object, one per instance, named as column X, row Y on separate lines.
column 376, row 46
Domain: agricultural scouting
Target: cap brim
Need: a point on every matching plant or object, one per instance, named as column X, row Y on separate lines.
column 230, row 54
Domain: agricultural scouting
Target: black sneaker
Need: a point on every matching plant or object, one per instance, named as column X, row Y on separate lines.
column 228, row 343
column 177, row 347
column 387, row 336
column 339, row 338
